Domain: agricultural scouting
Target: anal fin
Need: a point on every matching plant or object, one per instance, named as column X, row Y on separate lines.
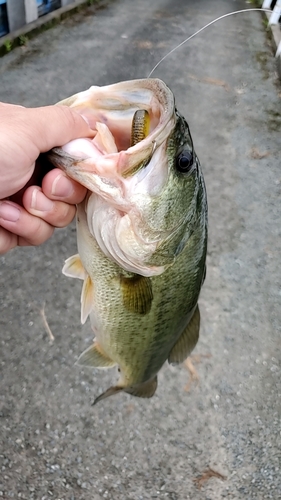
column 74, row 268
column 137, row 294
column 187, row 340
column 144, row 390
column 95, row 358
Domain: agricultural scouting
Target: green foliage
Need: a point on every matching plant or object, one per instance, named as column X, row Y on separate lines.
column 23, row 39
column 256, row 3
column 8, row 45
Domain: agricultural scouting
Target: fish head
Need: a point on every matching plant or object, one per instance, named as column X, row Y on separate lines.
column 143, row 195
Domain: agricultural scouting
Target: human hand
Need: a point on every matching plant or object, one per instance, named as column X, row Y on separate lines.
column 29, row 211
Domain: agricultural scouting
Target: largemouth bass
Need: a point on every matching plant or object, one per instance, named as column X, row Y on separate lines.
column 141, row 231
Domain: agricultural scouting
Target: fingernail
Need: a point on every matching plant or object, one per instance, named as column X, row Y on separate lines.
column 9, row 212
column 62, row 187
column 40, row 202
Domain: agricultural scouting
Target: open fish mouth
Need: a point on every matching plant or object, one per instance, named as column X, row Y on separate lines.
column 124, row 142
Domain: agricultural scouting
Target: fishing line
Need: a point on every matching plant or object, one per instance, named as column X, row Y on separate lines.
column 201, row 29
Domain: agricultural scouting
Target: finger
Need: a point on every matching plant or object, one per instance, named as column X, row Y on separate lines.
column 57, row 186
column 18, row 221
column 7, row 241
column 56, row 213
column 57, row 125
column 37, row 131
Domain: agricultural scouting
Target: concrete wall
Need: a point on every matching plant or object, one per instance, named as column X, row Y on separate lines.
column 16, row 14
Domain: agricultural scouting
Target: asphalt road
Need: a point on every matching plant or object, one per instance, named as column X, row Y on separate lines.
column 53, row 444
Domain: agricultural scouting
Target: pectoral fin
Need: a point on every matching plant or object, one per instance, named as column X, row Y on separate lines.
column 74, row 268
column 87, row 299
column 145, row 390
column 95, row 357
column 187, row 340
column 137, row 294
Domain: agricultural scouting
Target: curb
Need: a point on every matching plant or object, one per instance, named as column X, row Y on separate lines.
column 30, row 30
column 276, row 38
column 276, row 34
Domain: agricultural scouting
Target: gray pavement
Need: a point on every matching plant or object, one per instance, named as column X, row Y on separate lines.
column 53, row 444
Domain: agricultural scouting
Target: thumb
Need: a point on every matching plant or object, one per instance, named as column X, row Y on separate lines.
column 57, row 125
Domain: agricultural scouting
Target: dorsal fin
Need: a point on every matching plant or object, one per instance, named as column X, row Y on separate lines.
column 187, row 340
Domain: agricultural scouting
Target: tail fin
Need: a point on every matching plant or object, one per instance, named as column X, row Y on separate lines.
column 109, row 392
column 144, row 390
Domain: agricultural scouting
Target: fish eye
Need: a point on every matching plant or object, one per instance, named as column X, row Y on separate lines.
column 184, row 161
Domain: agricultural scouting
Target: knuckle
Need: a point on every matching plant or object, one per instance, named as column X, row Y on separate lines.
column 43, row 233
column 38, row 231
column 7, row 241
